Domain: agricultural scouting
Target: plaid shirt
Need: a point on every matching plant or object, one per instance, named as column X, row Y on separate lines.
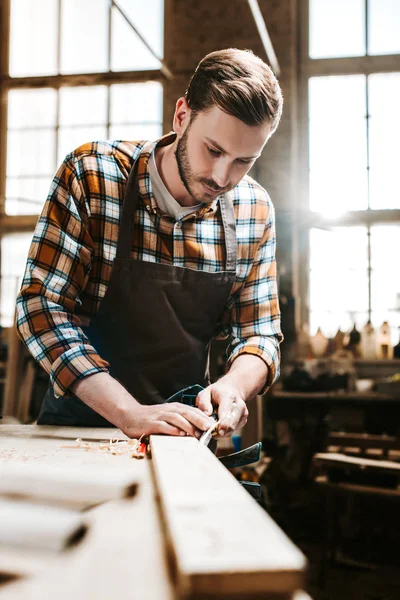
column 74, row 244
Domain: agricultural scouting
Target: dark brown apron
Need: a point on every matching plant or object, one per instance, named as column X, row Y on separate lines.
column 155, row 323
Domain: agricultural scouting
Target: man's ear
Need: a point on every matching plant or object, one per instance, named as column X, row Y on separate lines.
column 181, row 116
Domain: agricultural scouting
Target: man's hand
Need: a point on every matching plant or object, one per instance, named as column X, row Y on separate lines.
column 113, row 402
column 172, row 418
column 232, row 409
column 244, row 380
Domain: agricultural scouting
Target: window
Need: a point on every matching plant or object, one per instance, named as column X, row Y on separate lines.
column 46, row 124
column 14, row 251
column 353, row 88
column 62, row 92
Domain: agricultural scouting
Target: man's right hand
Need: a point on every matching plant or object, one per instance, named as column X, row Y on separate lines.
column 111, row 400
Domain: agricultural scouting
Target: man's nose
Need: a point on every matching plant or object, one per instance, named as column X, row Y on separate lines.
column 221, row 173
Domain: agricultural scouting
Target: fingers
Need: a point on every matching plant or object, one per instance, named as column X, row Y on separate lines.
column 180, row 422
column 203, row 401
column 163, row 428
column 192, row 414
column 233, row 413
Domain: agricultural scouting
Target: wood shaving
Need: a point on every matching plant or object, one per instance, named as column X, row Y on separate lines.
column 133, row 448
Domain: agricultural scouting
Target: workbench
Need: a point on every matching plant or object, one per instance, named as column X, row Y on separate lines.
column 179, row 536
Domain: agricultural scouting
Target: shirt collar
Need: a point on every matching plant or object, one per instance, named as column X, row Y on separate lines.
column 144, row 181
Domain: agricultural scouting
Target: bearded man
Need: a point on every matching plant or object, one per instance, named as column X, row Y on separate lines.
column 145, row 251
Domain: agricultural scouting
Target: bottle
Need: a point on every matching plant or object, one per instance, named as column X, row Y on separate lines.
column 368, row 342
column 303, row 345
column 319, row 343
column 354, row 342
column 338, row 339
column 384, row 345
column 396, row 349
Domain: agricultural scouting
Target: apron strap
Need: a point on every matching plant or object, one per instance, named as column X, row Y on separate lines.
column 229, row 224
column 127, row 218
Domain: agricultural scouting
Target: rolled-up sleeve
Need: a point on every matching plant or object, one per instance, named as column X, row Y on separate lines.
column 253, row 316
column 57, row 271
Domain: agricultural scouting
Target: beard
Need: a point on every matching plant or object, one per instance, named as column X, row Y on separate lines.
column 187, row 176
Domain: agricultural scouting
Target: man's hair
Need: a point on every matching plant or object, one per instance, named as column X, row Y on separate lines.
column 240, row 84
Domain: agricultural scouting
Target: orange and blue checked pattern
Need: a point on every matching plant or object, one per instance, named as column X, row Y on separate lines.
column 74, row 244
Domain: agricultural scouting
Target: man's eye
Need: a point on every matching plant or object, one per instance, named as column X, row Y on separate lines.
column 214, row 152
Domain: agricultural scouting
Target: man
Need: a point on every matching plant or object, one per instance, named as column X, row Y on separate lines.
column 145, row 251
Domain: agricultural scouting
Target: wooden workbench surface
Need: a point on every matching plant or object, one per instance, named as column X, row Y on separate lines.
column 123, row 549
column 127, row 550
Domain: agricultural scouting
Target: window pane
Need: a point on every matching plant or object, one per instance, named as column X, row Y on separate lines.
column 384, row 27
column 136, row 103
column 338, row 278
column 385, row 277
column 26, row 196
column 84, row 36
column 33, row 37
column 384, row 103
column 338, row 147
column 30, row 153
column 337, row 28
column 32, row 108
column 385, row 248
column 83, row 105
column 70, row 138
column 128, row 52
column 14, row 250
column 135, row 132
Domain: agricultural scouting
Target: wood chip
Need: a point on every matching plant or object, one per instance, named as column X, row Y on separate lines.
column 134, row 448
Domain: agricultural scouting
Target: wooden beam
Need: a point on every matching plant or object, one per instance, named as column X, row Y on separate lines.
column 121, row 556
column 365, row 65
column 351, row 217
column 61, row 433
column 264, row 35
column 164, row 67
column 78, row 79
column 10, row 223
column 4, row 60
column 221, row 541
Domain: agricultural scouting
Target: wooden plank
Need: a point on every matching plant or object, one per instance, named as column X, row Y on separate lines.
column 355, row 488
column 333, row 459
column 121, row 556
column 221, row 541
column 66, row 433
column 73, row 486
column 363, row 440
column 24, row 394
column 13, row 372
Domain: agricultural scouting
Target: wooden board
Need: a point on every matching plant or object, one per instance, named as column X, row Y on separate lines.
column 69, row 433
column 333, row 459
column 222, row 542
column 122, row 556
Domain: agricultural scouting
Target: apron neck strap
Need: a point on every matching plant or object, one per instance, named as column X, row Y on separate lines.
column 127, row 218
column 229, row 223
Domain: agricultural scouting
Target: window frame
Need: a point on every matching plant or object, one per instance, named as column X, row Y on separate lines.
column 9, row 223
column 306, row 219
column 27, row 223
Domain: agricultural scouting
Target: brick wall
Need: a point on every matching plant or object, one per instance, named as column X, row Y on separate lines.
column 195, row 27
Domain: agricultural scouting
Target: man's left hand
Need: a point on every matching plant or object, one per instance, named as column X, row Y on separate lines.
column 231, row 408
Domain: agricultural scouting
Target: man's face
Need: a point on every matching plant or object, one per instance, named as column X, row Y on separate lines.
column 215, row 150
